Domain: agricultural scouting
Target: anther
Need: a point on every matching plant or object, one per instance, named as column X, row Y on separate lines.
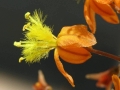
column 17, row 44
column 27, row 15
column 25, row 26
column 21, row 59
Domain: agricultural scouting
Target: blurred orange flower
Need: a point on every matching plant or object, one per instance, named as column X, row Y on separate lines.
column 116, row 82
column 41, row 84
column 104, row 8
column 104, row 78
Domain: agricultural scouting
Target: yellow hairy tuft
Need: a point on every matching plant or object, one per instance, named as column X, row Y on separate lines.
column 39, row 39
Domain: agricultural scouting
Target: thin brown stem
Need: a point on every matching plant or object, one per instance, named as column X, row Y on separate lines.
column 102, row 53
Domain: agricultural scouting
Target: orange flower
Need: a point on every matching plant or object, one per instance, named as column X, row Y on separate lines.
column 116, row 82
column 73, row 44
column 70, row 47
column 41, row 84
column 104, row 78
column 102, row 8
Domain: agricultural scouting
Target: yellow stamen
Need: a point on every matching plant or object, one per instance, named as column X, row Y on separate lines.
column 21, row 59
column 38, row 40
column 27, row 15
column 17, row 44
column 26, row 26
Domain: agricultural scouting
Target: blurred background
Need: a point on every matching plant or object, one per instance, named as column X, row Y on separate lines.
column 60, row 13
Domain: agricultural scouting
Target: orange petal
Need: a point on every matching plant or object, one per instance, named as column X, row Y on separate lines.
column 111, row 19
column 76, row 34
column 61, row 68
column 73, row 53
column 89, row 15
column 102, row 7
column 116, row 82
column 96, row 76
column 41, row 84
column 104, row 79
column 64, row 31
column 74, row 57
column 41, row 78
column 117, row 5
column 38, row 86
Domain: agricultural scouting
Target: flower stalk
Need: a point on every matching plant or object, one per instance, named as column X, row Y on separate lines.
column 102, row 53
